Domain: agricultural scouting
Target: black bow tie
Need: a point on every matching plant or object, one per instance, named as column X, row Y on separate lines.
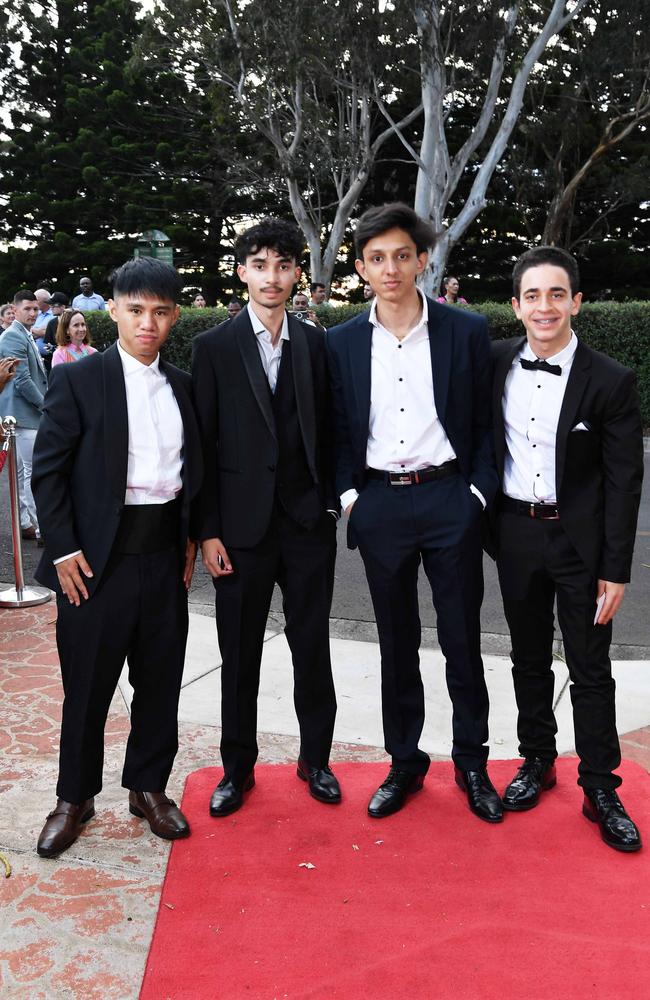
column 539, row 366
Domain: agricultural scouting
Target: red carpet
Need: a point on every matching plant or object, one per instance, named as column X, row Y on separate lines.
column 428, row 904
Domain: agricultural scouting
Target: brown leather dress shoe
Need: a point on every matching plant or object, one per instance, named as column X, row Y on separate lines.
column 63, row 826
column 163, row 816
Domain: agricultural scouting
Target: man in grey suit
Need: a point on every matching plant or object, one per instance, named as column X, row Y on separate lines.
column 22, row 398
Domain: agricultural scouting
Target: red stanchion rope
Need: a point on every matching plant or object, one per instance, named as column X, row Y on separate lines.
column 3, row 454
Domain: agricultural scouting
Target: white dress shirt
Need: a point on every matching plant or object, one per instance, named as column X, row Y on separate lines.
column 404, row 430
column 531, row 406
column 270, row 355
column 155, row 456
column 155, row 434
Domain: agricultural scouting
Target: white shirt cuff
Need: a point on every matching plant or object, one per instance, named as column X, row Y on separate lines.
column 477, row 493
column 348, row 497
column 69, row 556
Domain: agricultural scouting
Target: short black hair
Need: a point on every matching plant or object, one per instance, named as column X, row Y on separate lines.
column 271, row 234
column 235, row 301
column 59, row 299
column 546, row 255
column 24, row 295
column 316, row 284
column 395, row 215
column 147, row 276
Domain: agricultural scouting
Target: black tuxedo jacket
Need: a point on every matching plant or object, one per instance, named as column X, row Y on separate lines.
column 598, row 471
column 81, row 458
column 240, row 445
column 460, row 362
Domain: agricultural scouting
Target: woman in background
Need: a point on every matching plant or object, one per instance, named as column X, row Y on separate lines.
column 451, row 287
column 73, row 338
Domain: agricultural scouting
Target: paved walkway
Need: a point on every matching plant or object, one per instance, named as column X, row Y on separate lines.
column 79, row 928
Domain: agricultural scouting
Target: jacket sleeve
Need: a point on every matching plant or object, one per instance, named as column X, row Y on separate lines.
column 484, row 475
column 343, row 453
column 23, row 383
column 54, row 449
column 622, row 457
column 206, row 518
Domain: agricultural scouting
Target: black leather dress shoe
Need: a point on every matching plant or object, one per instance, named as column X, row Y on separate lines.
column 616, row 828
column 63, row 826
column 533, row 777
column 322, row 783
column 391, row 795
column 481, row 794
column 228, row 796
column 162, row 814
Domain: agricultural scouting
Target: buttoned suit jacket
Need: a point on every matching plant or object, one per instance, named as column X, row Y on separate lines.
column 240, row 445
column 598, row 471
column 460, row 363
column 23, row 396
column 81, row 458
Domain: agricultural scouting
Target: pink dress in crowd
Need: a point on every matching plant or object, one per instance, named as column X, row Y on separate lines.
column 64, row 355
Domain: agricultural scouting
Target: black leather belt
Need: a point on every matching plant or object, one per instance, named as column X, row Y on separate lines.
column 541, row 511
column 417, row 476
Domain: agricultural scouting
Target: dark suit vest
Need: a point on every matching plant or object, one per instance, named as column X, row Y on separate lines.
column 294, row 486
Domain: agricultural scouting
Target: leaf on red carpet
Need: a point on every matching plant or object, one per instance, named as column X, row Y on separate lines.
column 306, row 864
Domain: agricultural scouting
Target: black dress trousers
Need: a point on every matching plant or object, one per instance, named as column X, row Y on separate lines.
column 437, row 523
column 138, row 613
column 301, row 561
column 537, row 564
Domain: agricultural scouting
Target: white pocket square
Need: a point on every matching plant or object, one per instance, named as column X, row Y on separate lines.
column 579, row 427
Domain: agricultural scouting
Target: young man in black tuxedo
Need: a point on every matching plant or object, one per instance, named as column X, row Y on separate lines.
column 116, row 463
column 569, row 450
column 411, row 386
column 267, row 512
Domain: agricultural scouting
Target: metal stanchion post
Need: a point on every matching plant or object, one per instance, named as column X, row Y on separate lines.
column 19, row 596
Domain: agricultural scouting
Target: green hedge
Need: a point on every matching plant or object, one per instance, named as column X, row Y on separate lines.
column 620, row 329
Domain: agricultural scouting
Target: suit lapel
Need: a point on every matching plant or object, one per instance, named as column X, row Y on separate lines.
column 303, row 384
column 116, row 422
column 502, row 366
column 576, row 385
column 242, row 329
column 441, row 341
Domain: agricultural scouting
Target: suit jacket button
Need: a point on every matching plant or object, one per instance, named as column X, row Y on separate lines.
column 271, row 468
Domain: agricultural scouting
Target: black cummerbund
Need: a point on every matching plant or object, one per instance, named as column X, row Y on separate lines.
column 146, row 528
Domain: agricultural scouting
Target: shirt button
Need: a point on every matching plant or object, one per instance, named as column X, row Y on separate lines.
column 400, row 380
column 534, row 446
column 401, row 442
column 401, row 409
column 399, row 346
column 538, row 475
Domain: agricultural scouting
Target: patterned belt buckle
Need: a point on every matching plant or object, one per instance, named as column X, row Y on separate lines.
column 400, row 478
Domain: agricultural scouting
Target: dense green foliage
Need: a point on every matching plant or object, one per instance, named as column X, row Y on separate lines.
column 122, row 119
column 621, row 330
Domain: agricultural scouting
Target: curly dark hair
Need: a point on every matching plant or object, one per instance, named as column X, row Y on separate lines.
column 271, row 234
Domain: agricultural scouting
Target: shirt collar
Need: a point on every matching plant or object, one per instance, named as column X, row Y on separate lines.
column 131, row 365
column 423, row 321
column 562, row 358
column 258, row 325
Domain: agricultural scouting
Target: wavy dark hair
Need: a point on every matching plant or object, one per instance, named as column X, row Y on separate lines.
column 546, row 255
column 395, row 215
